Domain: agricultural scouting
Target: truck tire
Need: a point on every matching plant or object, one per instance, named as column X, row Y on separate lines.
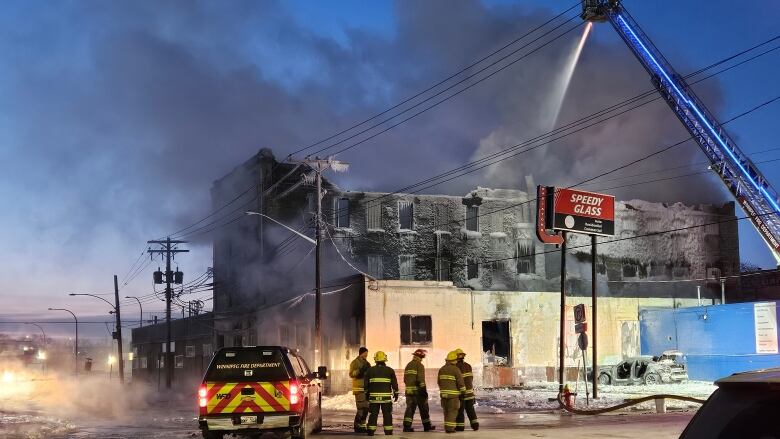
column 318, row 425
column 652, row 378
column 302, row 431
column 604, row 379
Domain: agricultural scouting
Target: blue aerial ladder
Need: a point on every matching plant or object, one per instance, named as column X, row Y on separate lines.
column 742, row 178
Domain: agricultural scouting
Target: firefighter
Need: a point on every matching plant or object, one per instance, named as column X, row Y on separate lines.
column 381, row 390
column 416, row 392
column 357, row 371
column 452, row 388
column 468, row 401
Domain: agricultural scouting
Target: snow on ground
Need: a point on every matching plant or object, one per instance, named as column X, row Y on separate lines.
column 535, row 396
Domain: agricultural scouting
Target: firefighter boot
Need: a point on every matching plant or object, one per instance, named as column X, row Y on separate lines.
column 408, row 429
column 428, row 427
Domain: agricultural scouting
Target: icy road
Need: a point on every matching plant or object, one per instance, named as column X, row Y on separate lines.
column 97, row 409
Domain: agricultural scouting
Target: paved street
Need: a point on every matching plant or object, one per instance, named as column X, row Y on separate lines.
column 165, row 423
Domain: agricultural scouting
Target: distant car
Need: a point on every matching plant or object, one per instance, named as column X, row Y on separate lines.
column 257, row 389
column 645, row 370
column 744, row 405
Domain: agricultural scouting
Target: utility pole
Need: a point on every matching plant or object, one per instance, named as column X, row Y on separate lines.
column 168, row 250
column 120, row 358
column 319, row 166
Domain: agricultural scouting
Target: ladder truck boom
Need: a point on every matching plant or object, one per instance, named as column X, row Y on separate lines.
column 742, row 178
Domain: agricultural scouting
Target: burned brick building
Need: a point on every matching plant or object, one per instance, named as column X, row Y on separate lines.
column 483, row 240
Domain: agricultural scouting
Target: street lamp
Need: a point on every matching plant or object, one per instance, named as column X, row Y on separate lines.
column 139, row 306
column 118, row 334
column 96, row 297
column 76, row 349
column 111, row 361
column 41, row 353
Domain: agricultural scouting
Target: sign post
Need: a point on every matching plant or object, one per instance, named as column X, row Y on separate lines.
column 569, row 210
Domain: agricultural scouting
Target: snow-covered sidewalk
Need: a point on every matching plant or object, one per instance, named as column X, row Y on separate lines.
column 535, row 396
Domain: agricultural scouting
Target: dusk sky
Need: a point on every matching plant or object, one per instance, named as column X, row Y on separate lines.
column 118, row 116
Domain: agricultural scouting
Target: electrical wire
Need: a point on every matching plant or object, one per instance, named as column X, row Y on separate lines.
column 407, row 100
column 437, row 84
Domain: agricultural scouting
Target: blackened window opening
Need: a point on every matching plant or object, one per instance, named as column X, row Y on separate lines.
column 415, row 330
column 405, row 215
column 472, row 218
column 496, row 342
column 342, row 212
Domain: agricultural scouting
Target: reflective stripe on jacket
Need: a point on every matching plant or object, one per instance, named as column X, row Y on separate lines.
column 451, row 383
column 380, row 384
column 414, row 376
column 468, row 378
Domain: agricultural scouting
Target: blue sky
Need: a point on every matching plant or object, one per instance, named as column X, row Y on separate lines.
column 116, row 117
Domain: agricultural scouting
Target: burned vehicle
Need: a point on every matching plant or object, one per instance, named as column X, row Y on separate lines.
column 645, row 370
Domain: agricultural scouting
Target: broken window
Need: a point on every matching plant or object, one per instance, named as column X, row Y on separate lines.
column 472, row 269
column 342, row 212
column 496, row 343
column 629, row 270
column 405, row 215
column 189, row 351
column 524, row 254
column 472, row 218
column 442, row 269
column 374, row 216
column 375, row 266
column 406, row 267
column 415, row 330
column 178, row 361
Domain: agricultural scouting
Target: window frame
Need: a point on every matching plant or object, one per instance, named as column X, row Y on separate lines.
column 411, row 331
column 410, row 204
column 339, row 215
column 473, row 220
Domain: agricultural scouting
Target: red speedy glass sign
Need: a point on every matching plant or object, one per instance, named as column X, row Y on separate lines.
column 584, row 212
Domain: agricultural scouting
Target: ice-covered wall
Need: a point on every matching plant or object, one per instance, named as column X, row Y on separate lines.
column 496, row 251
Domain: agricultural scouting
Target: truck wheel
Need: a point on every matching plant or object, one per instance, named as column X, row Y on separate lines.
column 604, row 379
column 318, row 425
column 301, row 432
column 652, row 378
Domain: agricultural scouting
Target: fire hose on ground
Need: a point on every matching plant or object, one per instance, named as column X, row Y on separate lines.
column 628, row 403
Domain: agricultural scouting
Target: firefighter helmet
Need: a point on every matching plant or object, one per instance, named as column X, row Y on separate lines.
column 420, row 353
column 452, row 356
column 460, row 353
column 380, row 357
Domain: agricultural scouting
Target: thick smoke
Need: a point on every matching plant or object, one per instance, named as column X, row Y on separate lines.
column 124, row 113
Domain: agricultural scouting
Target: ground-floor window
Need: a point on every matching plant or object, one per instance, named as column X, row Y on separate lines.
column 416, row 330
column 496, row 343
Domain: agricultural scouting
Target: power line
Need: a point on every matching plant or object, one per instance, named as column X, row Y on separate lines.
column 407, row 100
column 469, row 86
column 547, row 136
column 437, row 84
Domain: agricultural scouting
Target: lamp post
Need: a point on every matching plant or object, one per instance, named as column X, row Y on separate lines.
column 76, row 348
column 118, row 333
column 41, row 353
column 141, row 318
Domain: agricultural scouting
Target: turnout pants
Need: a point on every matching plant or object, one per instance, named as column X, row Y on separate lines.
column 467, row 406
column 450, row 407
column 362, row 412
column 412, row 402
column 387, row 417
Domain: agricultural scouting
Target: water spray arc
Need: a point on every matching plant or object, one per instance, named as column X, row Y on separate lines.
column 564, row 79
